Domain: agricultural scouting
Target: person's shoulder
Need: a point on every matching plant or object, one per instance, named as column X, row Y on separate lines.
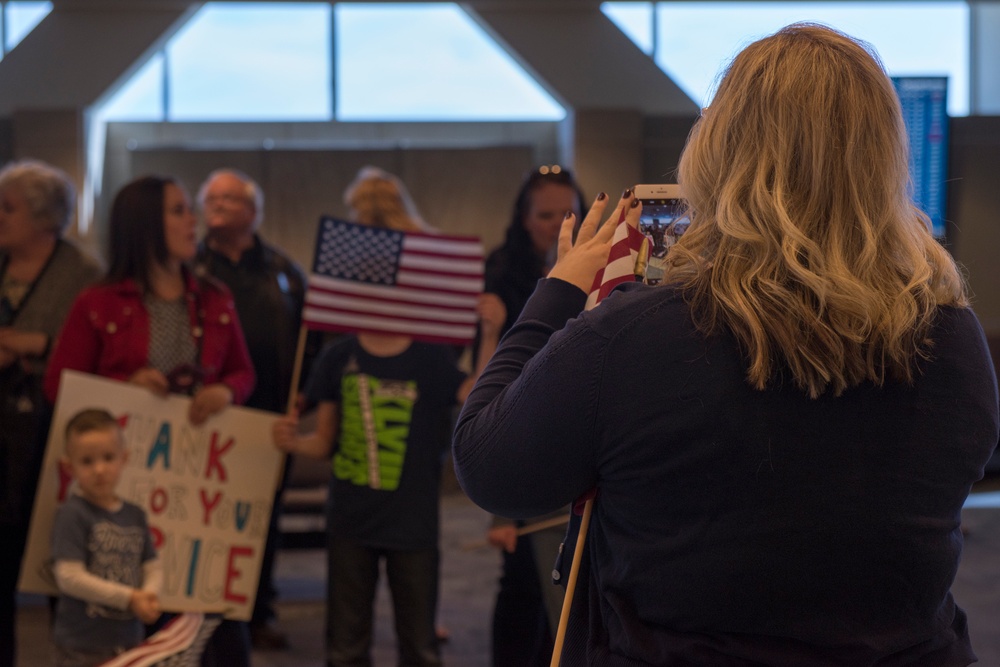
column 631, row 302
column 340, row 346
column 107, row 292
column 72, row 508
column 275, row 255
column 332, row 360
column 199, row 280
column 500, row 263
column 948, row 316
column 956, row 325
column 277, row 263
column 133, row 511
column 498, row 256
column 72, row 259
column 436, row 352
column 201, row 254
column 278, row 258
column 72, row 502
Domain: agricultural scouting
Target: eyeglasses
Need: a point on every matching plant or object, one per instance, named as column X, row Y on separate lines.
column 549, row 169
column 228, row 198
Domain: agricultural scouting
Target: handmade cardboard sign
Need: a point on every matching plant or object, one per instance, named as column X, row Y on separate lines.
column 207, row 491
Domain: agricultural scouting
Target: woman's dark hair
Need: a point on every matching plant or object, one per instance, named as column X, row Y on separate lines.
column 136, row 237
column 517, row 243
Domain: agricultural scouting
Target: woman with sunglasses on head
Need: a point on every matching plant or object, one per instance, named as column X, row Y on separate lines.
column 40, row 274
column 528, row 604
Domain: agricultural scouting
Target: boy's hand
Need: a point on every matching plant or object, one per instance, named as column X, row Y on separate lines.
column 503, row 537
column 145, row 605
column 492, row 315
column 285, row 432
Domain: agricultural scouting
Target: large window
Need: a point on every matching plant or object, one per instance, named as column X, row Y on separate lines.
column 692, row 41
column 17, row 19
column 428, row 62
column 275, row 61
column 251, row 61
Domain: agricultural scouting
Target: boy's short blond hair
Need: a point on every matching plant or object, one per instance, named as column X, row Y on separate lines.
column 90, row 419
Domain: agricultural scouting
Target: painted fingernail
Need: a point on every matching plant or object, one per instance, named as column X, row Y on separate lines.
column 627, row 193
column 635, row 203
column 601, row 196
column 568, row 215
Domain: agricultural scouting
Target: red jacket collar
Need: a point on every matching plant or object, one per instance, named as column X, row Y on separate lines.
column 129, row 286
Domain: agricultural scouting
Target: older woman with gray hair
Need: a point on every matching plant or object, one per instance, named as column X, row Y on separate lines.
column 40, row 275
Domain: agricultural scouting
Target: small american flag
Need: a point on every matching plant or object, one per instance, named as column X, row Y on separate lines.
column 179, row 644
column 384, row 281
column 621, row 262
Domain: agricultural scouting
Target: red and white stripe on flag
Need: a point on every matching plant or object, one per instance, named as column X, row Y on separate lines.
column 379, row 280
column 179, row 644
column 621, row 262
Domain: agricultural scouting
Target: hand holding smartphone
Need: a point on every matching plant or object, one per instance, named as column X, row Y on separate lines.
column 662, row 221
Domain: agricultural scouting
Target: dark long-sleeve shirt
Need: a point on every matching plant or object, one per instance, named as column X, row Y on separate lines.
column 734, row 526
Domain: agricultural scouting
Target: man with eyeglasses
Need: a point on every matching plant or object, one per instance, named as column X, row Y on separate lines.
column 268, row 289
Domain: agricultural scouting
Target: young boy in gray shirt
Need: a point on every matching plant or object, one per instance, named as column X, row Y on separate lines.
column 105, row 565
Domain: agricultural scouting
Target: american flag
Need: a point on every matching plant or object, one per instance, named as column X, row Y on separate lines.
column 621, row 262
column 179, row 644
column 384, row 281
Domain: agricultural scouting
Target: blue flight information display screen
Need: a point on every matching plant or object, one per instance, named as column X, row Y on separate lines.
column 924, row 101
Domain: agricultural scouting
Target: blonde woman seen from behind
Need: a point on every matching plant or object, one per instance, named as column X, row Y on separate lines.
column 815, row 396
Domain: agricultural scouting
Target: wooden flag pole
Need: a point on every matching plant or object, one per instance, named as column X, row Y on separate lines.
column 574, row 572
column 523, row 530
column 300, row 351
column 639, row 275
column 293, row 393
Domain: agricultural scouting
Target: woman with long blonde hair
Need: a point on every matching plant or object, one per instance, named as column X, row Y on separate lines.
column 379, row 199
column 783, row 433
column 808, row 245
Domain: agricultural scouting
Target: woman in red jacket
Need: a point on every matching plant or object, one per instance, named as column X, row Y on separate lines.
column 152, row 322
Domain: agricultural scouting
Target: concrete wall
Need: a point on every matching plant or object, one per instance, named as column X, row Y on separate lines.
column 469, row 189
column 450, row 186
column 464, row 184
column 974, row 211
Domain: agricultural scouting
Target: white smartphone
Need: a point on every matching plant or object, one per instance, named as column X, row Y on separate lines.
column 662, row 221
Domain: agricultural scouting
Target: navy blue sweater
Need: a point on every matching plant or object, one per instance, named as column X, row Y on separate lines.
column 734, row 526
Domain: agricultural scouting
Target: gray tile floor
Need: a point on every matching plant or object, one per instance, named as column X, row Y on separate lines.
column 469, row 584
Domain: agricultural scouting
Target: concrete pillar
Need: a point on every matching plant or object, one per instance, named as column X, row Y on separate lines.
column 608, row 147
column 55, row 136
column 606, row 83
column 72, row 59
column 984, row 58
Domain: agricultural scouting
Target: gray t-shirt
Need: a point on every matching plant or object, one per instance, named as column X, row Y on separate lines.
column 113, row 546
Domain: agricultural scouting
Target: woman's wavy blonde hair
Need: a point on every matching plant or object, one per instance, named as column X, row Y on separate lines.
column 379, row 199
column 804, row 241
